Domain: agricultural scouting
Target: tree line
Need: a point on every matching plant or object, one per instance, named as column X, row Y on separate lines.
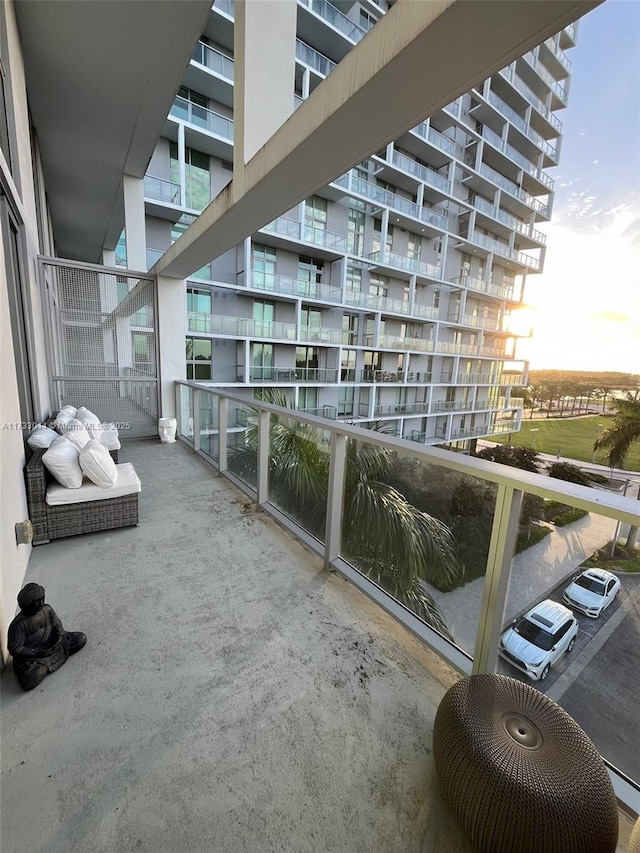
column 566, row 393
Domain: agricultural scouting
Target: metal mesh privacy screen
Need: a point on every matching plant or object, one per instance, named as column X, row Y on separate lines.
column 102, row 343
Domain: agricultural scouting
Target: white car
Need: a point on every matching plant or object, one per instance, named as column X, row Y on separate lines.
column 592, row 591
column 537, row 640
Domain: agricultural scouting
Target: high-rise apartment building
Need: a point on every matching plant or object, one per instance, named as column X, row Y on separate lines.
column 387, row 296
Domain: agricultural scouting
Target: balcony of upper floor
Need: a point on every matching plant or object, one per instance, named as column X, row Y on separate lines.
column 312, row 59
column 366, row 410
column 406, row 213
column 554, row 57
column 240, row 327
column 285, row 286
column 534, row 180
column 211, row 73
column 493, row 246
column 426, row 143
column 484, row 179
column 390, row 305
column 410, row 377
column 386, row 259
column 514, row 90
column 478, row 285
column 529, row 236
column 205, row 130
column 327, row 28
column 541, row 81
column 491, row 321
column 283, row 231
column 405, row 172
column 271, row 374
column 219, row 653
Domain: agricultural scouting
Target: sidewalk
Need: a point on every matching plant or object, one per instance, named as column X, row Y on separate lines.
column 534, row 572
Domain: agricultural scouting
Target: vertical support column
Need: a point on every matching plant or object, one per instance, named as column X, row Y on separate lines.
column 134, row 223
column 264, row 61
column 263, row 456
column 223, row 420
column 335, row 499
column 182, row 165
column 501, row 549
column 171, row 332
column 196, row 419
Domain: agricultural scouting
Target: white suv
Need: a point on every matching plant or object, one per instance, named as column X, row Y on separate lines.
column 535, row 641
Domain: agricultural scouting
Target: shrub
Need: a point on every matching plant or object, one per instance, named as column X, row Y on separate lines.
column 525, row 458
column 600, row 479
column 570, row 473
column 531, row 537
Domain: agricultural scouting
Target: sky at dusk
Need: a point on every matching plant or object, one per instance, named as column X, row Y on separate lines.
column 587, row 300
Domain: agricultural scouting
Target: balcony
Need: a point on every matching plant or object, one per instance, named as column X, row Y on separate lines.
column 202, row 118
column 496, row 247
column 261, row 373
column 239, row 327
column 396, row 409
column 291, row 229
column 312, row 58
column 531, row 98
column 513, row 154
column 213, row 60
column 509, row 220
column 272, row 283
column 247, row 665
column 402, row 343
column 483, row 286
column 517, row 120
column 422, row 173
column 335, row 18
column 513, row 189
column 168, row 192
column 386, row 258
column 390, row 305
column 436, row 138
column 319, row 334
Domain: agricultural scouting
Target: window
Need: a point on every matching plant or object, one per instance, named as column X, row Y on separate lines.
column 198, row 301
column 198, row 184
column 264, row 266
column 350, row 328
column 345, row 401
column 307, row 363
column 311, row 320
column 309, row 277
column 263, row 313
column 199, row 362
column 413, row 247
column 307, row 398
column 465, row 264
column 355, row 239
column 436, row 297
column 348, row 366
column 315, row 218
column 367, row 20
column 379, row 286
column 262, row 361
column 353, row 281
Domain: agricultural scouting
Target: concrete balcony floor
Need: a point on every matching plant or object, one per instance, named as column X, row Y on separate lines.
column 232, row 695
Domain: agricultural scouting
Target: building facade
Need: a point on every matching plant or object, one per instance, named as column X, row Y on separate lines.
column 388, row 295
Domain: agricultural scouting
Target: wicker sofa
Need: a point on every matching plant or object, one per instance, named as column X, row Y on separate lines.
column 69, row 519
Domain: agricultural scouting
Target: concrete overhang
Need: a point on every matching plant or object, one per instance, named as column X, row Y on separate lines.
column 419, row 57
column 101, row 77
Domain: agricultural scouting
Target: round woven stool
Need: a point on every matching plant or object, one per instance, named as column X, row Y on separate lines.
column 519, row 773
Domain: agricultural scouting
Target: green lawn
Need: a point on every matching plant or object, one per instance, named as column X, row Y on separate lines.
column 573, row 438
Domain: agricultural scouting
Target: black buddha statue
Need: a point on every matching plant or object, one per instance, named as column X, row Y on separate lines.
column 38, row 642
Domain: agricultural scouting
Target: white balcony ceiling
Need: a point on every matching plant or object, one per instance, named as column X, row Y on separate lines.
column 101, row 77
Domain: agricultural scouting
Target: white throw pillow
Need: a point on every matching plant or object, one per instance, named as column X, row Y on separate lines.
column 91, row 422
column 61, row 460
column 98, row 466
column 76, row 433
column 41, row 437
column 109, row 437
column 72, row 409
column 62, row 419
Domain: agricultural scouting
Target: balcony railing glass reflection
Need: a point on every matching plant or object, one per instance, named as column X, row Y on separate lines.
column 213, row 60
column 202, row 118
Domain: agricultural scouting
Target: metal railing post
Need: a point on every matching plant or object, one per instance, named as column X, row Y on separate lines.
column 196, row 419
column 335, row 499
column 223, row 415
column 263, row 456
column 501, row 549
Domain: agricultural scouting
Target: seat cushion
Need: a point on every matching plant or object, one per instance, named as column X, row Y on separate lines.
column 128, row 483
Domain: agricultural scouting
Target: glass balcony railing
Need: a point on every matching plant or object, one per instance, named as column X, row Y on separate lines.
column 515, row 155
column 333, row 16
column 269, row 373
column 556, row 87
column 213, row 60
column 318, row 334
column 241, row 327
column 318, row 61
column 402, row 343
column 272, row 283
column 307, row 233
column 412, row 265
column 464, row 621
column 508, row 219
column 456, row 348
column 202, row 118
column 225, row 6
column 330, row 412
column 559, row 54
column 482, row 286
column 509, row 74
column 423, row 173
column 360, row 187
column 499, row 248
column 513, row 189
column 521, row 124
column 161, row 190
column 435, row 137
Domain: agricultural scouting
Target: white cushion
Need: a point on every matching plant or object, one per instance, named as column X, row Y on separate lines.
column 76, row 433
column 109, row 437
column 41, row 437
column 91, row 422
column 61, row 460
column 127, row 483
column 97, row 465
column 62, row 418
column 71, row 409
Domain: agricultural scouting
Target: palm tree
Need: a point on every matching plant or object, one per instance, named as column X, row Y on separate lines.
column 383, row 535
column 619, row 438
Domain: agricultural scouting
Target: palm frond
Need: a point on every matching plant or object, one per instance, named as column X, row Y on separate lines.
column 624, row 431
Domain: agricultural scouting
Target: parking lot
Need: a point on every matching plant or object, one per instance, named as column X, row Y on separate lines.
column 598, row 682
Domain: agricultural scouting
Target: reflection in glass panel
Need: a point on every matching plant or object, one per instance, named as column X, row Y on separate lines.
column 242, row 443
column 421, row 532
column 209, row 425
column 571, row 623
column 299, row 472
column 185, row 400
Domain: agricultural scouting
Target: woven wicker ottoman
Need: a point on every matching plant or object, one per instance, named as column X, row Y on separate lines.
column 519, row 773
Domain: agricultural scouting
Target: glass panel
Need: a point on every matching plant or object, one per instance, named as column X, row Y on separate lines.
column 299, row 471
column 560, row 577
column 422, row 533
column 185, row 402
column 209, row 424
column 242, row 443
